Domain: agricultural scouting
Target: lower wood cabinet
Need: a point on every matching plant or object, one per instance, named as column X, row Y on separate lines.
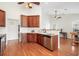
column 55, row 42
column 23, row 38
column 31, row 37
column 50, row 42
column 47, row 42
column 40, row 39
column 28, row 37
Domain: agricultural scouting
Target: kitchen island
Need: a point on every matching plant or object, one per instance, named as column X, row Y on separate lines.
column 49, row 40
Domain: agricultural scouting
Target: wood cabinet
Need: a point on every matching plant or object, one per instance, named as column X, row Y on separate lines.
column 40, row 39
column 31, row 37
column 47, row 42
column 23, row 38
column 24, row 21
column 2, row 18
column 28, row 37
column 35, row 21
column 55, row 42
column 30, row 21
column 50, row 42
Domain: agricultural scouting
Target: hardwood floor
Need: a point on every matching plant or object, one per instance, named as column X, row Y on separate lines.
column 68, row 47
column 33, row 49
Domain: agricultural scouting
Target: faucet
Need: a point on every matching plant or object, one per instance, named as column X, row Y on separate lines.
column 32, row 31
column 44, row 30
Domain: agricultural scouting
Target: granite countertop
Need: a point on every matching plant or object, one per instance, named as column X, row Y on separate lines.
column 49, row 34
column 46, row 33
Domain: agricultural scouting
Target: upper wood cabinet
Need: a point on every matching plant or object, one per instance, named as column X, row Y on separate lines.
column 36, row 21
column 30, row 21
column 2, row 18
column 24, row 21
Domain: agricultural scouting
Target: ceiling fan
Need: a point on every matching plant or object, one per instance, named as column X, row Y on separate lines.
column 29, row 4
column 56, row 16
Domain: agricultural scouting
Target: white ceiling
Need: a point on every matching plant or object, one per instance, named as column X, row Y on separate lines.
column 62, row 7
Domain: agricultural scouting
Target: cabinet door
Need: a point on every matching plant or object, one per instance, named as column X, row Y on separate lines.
column 24, row 21
column 38, row 38
column 2, row 18
column 55, row 42
column 47, row 42
column 30, row 21
column 31, row 37
column 42, row 40
column 23, row 38
column 35, row 37
column 35, row 21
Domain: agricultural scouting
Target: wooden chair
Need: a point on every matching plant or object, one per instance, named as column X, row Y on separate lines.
column 73, row 34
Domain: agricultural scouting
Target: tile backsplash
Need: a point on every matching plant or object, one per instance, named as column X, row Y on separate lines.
column 28, row 30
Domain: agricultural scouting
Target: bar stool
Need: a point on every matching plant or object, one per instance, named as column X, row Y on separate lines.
column 73, row 34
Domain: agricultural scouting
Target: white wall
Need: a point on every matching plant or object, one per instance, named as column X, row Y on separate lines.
column 12, row 29
column 65, row 22
column 13, row 11
column 2, row 30
column 45, row 19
